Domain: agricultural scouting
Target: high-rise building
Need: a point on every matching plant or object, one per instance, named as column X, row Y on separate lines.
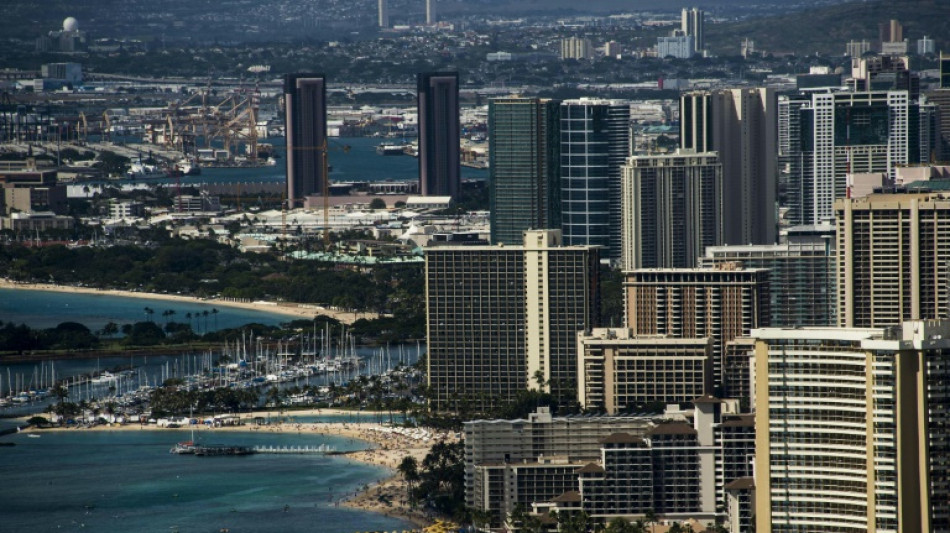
column 693, row 24
column 741, row 125
column 619, row 372
column 525, row 166
column 671, row 209
column 305, row 108
column 675, row 46
column 852, row 429
column 724, row 303
column 502, row 319
column 595, row 143
column 801, row 276
column 439, row 134
column 383, row 13
column 892, row 259
column 855, row 49
column 431, row 15
column 925, row 46
column 842, row 133
column 944, row 71
column 576, row 48
column 884, row 73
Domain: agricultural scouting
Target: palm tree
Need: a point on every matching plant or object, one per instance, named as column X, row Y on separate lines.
column 651, row 518
column 481, row 519
column 148, row 313
column 214, row 311
column 188, row 316
column 205, row 314
column 409, row 468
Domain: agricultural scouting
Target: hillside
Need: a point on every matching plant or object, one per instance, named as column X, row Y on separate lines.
column 826, row 30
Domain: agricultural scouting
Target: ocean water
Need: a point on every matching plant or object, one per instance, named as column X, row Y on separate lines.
column 127, row 481
column 46, row 309
column 359, row 163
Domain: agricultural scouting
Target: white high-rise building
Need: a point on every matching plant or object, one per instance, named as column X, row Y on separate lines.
column 925, row 46
column 383, row 13
column 431, row 17
column 676, row 46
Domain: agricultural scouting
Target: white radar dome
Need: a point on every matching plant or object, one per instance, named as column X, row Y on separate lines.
column 70, row 24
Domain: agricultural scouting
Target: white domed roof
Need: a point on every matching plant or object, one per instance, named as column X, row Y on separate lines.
column 70, row 24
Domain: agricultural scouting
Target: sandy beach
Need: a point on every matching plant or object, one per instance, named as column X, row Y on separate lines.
column 389, row 447
column 281, row 308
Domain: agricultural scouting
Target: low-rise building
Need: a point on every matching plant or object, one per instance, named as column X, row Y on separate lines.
column 618, row 371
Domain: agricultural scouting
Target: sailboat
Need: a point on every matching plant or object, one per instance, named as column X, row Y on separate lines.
column 186, row 446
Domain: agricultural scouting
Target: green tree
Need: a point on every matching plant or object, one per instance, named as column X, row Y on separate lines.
column 409, row 468
column 377, row 203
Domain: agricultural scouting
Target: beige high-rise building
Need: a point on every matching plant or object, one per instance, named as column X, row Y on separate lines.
column 893, row 257
column 431, row 15
column 852, row 429
column 742, row 126
column 671, row 209
column 502, row 319
column 576, row 48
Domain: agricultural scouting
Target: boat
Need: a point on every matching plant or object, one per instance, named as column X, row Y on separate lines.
column 33, row 436
column 142, row 171
column 391, row 149
column 185, row 447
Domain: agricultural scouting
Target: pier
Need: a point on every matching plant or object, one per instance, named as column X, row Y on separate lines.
column 297, row 450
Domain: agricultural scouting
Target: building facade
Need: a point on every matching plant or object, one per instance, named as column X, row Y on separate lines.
column 608, row 467
column 595, row 143
column 524, row 156
column 440, row 168
column 619, row 372
column 693, row 24
column 801, row 275
column 576, row 48
column 671, row 209
column 842, row 133
column 892, row 259
column 502, row 319
column 741, row 125
column 723, row 303
column 305, row 115
column 851, row 429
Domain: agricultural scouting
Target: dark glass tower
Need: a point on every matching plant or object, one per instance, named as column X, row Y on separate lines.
column 595, row 143
column 525, row 167
column 305, row 107
column 439, row 165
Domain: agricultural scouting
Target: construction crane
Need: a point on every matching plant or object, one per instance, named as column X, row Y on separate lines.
column 323, row 150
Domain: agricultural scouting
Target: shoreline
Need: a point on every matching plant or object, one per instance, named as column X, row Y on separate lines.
column 387, row 447
column 278, row 308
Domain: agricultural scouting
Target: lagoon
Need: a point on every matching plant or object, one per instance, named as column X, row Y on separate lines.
column 46, row 309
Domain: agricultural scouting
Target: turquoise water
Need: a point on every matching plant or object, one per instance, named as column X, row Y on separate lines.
column 45, row 309
column 127, row 481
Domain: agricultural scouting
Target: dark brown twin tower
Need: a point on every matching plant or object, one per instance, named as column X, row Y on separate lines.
column 305, row 106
